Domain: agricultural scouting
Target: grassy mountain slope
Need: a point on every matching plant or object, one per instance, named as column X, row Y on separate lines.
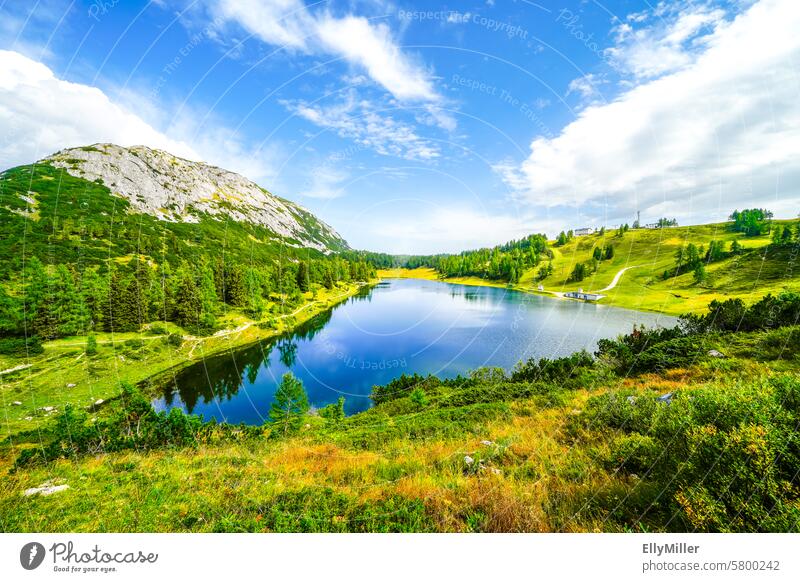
column 749, row 276
column 757, row 271
column 48, row 212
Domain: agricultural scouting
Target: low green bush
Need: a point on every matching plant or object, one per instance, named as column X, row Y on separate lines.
column 722, row 458
column 20, row 346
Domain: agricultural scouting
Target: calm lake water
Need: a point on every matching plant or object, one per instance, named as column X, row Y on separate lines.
column 399, row 326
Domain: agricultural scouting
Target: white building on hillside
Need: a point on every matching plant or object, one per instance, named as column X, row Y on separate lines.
column 583, row 231
column 584, row 295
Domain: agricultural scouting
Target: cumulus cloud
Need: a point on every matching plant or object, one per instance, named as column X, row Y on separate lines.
column 721, row 130
column 357, row 40
column 41, row 114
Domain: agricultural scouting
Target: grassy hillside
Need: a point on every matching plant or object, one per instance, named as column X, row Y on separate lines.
column 748, row 276
column 46, row 212
column 757, row 271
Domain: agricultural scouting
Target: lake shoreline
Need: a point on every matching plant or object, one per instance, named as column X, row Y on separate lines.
column 412, row 327
column 146, row 375
column 427, row 274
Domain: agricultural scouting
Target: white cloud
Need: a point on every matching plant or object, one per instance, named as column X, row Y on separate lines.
column 361, row 43
column 669, row 44
column 722, row 131
column 586, row 86
column 41, row 114
column 325, row 182
column 358, row 119
column 45, row 114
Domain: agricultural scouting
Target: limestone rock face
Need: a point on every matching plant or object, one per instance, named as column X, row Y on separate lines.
column 178, row 190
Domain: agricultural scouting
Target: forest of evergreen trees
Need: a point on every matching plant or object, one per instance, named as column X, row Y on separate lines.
column 57, row 301
column 505, row 262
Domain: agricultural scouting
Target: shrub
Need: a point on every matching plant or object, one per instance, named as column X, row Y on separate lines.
column 402, row 386
column 721, row 458
column 175, row 340
column 91, row 345
column 547, row 370
column 132, row 425
column 418, row 398
column 158, row 329
column 20, row 346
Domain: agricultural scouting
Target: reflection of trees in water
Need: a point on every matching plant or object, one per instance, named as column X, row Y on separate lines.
column 217, row 377
column 222, row 376
column 288, row 352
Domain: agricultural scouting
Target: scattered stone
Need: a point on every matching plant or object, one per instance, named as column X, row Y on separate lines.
column 468, row 460
column 46, row 488
column 716, row 354
column 47, row 408
column 666, row 398
column 98, row 402
column 631, row 400
column 487, row 443
column 16, row 403
column 71, row 385
column 28, row 418
column 496, row 471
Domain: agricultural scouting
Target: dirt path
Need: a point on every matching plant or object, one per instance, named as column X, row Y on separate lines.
column 617, row 277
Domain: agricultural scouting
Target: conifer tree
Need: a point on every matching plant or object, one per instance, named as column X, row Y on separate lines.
column 69, row 309
column 302, row 276
column 289, row 406
column 188, row 302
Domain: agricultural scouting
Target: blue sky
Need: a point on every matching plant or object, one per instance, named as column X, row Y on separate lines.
column 425, row 126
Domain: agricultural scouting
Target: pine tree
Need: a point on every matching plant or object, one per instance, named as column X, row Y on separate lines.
column 700, row 275
column 208, row 296
column 94, row 292
column 36, row 299
column 302, row 276
column 255, row 298
column 123, row 304
column 609, row 254
column 10, row 314
column 290, row 405
column 188, row 302
column 91, row 345
column 70, row 311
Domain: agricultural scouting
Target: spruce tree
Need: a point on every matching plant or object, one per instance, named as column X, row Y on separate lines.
column 10, row 314
column 303, row 281
column 290, row 405
column 71, row 314
column 188, row 302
